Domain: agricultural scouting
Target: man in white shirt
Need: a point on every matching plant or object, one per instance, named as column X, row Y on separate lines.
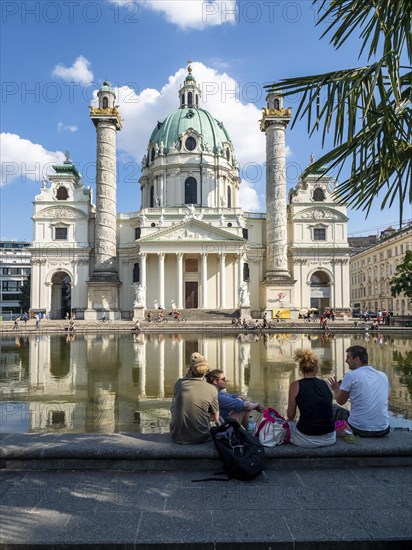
column 368, row 391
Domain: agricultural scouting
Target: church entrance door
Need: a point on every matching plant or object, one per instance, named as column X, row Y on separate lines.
column 320, row 291
column 191, row 294
column 61, row 295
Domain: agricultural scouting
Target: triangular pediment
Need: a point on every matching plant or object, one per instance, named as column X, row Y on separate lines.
column 191, row 231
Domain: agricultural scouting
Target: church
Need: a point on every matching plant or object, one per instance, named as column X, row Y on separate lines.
column 190, row 246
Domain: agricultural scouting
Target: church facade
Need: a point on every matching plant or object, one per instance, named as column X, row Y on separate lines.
column 191, row 245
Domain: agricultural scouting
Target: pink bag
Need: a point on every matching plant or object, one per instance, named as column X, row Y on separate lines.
column 273, row 429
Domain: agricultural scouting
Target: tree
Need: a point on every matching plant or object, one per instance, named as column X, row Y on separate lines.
column 402, row 280
column 24, row 299
column 368, row 109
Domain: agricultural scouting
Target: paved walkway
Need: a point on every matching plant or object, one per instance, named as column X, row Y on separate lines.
column 346, row 496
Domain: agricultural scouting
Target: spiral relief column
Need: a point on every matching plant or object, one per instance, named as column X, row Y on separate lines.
column 103, row 287
column 278, row 283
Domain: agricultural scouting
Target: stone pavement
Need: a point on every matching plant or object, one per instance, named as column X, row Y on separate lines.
column 126, row 491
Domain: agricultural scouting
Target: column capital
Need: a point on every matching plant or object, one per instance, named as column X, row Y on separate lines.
column 161, row 255
column 179, row 255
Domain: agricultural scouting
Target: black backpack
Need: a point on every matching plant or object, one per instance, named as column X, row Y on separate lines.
column 242, row 454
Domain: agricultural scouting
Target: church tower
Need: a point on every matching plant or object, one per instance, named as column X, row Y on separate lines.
column 103, row 287
column 278, row 284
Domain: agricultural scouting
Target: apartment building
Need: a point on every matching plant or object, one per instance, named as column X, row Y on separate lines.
column 372, row 269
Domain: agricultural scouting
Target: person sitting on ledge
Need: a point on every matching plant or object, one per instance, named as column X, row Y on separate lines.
column 231, row 405
column 368, row 391
column 194, row 405
column 316, row 427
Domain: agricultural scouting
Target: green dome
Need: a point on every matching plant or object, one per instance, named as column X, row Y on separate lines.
column 106, row 87
column 177, row 123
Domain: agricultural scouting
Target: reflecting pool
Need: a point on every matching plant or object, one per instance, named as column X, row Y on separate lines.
column 124, row 383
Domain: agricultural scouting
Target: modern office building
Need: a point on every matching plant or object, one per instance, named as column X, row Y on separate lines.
column 15, row 267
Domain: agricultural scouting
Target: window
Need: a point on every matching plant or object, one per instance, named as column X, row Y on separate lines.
column 152, row 154
column 191, row 265
column 136, row 273
column 190, row 191
column 60, row 233
column 319, row 234
column 276, row 104
column 105, row 103
column 246, row 273
column 318, row 195
column 137, row 233
column 228, row 154
column 62, row 194
column 11, row 297
column 190, row 99
column 151, row 196
column 245, row 233
column 229, row 197
column 12, row 286
column 190, row 143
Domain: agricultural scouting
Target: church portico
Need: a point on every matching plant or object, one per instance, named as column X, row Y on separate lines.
column 190, row 280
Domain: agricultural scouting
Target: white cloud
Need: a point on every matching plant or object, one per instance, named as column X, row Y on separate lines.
column 23, row 160
column 191, row 14
column 69, row 128
column 222, row 97
column 78, row 72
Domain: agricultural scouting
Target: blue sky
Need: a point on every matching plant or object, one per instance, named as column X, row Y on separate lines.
column 54, row 55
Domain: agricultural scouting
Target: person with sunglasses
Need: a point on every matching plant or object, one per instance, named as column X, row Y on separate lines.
column 231, row 405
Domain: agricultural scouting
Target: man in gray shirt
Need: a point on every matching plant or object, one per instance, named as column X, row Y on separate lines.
column 194, row 405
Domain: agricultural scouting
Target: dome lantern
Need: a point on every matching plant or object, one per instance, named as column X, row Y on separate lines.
column 189, row 93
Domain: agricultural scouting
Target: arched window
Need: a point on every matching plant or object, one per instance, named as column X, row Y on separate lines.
column 197, row 100
column 183, row 99
column 190, row 191
column 152, row 154
column 318, row 195
column 276, row 104
column 136, row 273
column 246, row 274
column 229, row 197
column 227, row 154
column 62, row 194
column 105, row 103
column 151, row 196
column 190, row 99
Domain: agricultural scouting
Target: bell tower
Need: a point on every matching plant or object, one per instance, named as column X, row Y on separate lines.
column 103, row 287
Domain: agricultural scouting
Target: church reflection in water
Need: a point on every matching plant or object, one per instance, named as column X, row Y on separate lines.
column 112, row 383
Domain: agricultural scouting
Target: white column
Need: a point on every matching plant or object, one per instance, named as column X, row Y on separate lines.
column 143, row 279
column 204, row 280
column 240, row 269
column 179, row 257
column 161, row 257
column 105, row 225
column 161, row 393
column 180, row 358
column 222, row 280
column 274, row 123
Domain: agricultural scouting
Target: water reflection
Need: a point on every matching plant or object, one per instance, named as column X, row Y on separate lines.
column 111, row 383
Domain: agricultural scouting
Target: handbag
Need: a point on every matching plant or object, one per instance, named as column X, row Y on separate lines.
column 272, row 429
